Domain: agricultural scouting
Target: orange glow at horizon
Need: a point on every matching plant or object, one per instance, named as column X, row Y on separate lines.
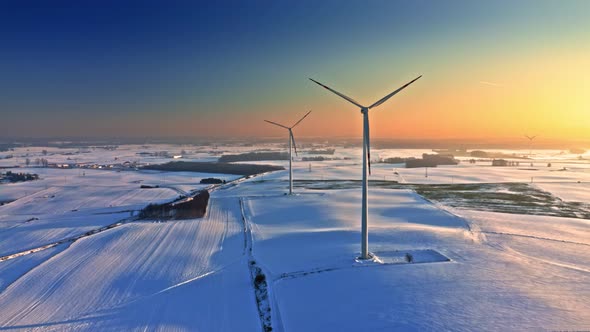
column 546, row 95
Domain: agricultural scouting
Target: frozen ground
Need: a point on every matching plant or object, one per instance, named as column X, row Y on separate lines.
column 176, row 275
column 474, row 266
column 502, row 275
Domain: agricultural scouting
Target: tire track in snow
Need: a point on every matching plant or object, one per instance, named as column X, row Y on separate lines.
column 536, row 237
column 517, row 253
column 36, row 265
column 299, row 274
column 258, row 278
column 45, row 295
column 66, row 240
column 247, row 232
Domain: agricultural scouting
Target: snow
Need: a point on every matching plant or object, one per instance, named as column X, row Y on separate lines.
column 471, row 269
column 49, row 229
column 12, row 270
column 469, row 292
column 311, row 231
column 109, row 280
column 576, row 192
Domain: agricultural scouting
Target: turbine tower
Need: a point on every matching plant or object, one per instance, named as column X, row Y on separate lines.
column 366, row 157
column 531, row 138
column 292, row 147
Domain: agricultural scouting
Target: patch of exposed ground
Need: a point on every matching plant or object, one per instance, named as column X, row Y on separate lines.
column 517, row 198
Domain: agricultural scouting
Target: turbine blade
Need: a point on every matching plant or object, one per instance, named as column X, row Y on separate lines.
column 338, row 93
column 277, row 124
column 293, row 140
column 384, row 99
column 293, row 126
column 368, row 142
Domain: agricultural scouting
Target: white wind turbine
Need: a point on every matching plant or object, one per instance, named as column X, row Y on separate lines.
column 292, row 147
column 366, row 158
column 530, row 138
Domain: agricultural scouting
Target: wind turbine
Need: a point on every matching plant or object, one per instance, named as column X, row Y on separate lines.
column 531, row 138
column 292, row 146
column 366, row 157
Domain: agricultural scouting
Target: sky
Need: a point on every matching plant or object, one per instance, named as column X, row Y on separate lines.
column 491, row 69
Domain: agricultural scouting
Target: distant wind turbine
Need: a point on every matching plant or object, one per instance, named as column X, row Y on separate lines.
column 530, row 138
column 366, row 157
column 292, row 146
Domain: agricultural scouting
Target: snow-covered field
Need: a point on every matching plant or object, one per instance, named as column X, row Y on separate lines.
column 473, row 267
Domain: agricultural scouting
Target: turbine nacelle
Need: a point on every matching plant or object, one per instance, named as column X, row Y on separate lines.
column 365, row 112
column 354, row 102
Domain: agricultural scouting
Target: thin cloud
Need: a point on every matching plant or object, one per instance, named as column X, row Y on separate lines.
column 490, row 83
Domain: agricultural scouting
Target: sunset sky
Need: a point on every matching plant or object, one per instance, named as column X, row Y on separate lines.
column 492, row 69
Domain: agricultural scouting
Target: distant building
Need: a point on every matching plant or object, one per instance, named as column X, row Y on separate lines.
column 431, row 160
